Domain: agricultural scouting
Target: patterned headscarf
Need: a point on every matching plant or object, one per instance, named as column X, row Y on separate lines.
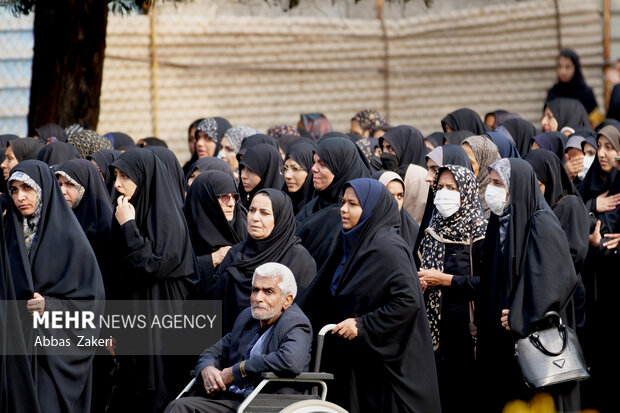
column 237, row 134
column 279, row 130
column 485, row 152
column 209, row 126
column 31, row 222
column 88, row 142
column 77, row 185
column 502, row 167
column 465, row 224
column 73, row 129
column 370, row 120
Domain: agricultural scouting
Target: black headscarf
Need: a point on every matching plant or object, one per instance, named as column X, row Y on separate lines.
column 561, row 196
column 318, row 224
column 458, row 137
column 353, row 138
column 208, row 228
column 302, row 154
column 553, row 142
column 56, row 153
column 94, row 210
column 550, row 171
column 378, row 286
column 61, row 265
column 103, row 159
column 576, row 87
column 521, row 133
column 25, row 148
column 568, row 112
column 210, row 163
column 233, row 280
column 254, row 140
column 51, row 133
column 408, row 143
column 436, row 139
column 614, row 104
column 121, row 141
column 464, row 119
column 266, row 162
column 505, row 146
column 167, row 252
column 171, row 162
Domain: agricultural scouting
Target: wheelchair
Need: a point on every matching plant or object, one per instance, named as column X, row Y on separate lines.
column 259, row 402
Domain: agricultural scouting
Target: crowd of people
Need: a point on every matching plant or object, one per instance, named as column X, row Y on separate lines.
column 432, row 255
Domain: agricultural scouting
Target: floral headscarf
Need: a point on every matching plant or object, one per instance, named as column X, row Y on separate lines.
column 209, row 126
column 370, row 120
column 486, row 153
column 237, row 134
column 468, row 223
column 31, row 222
column 88, row 142
column 279, row 130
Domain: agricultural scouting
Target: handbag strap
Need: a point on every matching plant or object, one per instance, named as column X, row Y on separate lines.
column 535, row 339
column 473, row 329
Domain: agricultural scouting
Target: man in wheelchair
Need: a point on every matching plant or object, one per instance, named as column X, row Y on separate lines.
column 272, row 335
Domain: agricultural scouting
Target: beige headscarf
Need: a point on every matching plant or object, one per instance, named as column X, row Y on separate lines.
column 416, row 192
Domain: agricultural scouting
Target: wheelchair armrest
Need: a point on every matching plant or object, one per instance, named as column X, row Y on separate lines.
column 301, row 377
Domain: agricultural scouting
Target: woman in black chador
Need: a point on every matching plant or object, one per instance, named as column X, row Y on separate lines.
column 216, row 221
column 271, row 238
column 155, row 262
column 383, row 358
column 528, row 271
column 51, row 262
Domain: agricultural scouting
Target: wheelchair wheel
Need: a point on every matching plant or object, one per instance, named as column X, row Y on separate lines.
column 313, row 406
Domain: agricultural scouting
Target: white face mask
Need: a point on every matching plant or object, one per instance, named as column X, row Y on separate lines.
column 447, row 202
column 587, row 163
column 496, row 199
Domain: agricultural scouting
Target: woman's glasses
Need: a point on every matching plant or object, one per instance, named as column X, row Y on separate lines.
column 225, row 198
column 294, row 169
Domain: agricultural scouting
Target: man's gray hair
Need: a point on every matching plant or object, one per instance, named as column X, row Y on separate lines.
column 287, row 283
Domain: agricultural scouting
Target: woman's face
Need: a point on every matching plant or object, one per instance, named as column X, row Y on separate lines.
column 397, row 190
column 566, row 69
column 429, row 145
column 227, row 153
column 227, row 202
column 24, row 197
column 260, row 217
column 9, row 162
column 351, row 210
column 548, row 122
column 541, row 186
column 387, row 148
column 193, row 176
column 472, row 158
column 446, row 181
column 589, row 150
column 249, row 179
column 497, row 181
column 294, row 175
column 322, row 177
column 606, row 153
column 123, row 184
column 205, row 146
column 432, row 171
column 69, row 191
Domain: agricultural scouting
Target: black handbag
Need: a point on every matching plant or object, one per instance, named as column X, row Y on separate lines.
column 551, row 356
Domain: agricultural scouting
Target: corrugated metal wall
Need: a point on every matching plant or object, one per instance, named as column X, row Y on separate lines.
column 262, row 71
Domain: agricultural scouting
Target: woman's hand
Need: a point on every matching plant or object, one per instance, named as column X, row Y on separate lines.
column 606, row 203
column 218, row 256
column 613, row 241
column 431, row 277
column 124, row 210
column 595, row 236
column 37, row 303
column 504, row 319
column 346, row 329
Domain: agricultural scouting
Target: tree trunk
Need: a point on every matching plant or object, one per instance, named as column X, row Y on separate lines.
column 67, row 67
